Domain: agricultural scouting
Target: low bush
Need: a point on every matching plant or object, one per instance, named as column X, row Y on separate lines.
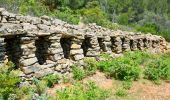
column 81, row 91
column 158, row 69
column 32, row 7
column 51, row 79
column 149, row 27
column 65, row 79
column 39, row 86
column 68, row 15
column 121, row 92
column 26, row 92
column 123, row 68
column 8, row 80
column 104, row 65
column 91, row 66
column 129, row 67
column 127, row 84
column 36, row 91
column 78, row 73
column 139, row 57
column 123, row 19
column 105, row 56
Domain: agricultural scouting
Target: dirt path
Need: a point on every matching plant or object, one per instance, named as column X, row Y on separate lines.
column 100, row 79
column 150, row 91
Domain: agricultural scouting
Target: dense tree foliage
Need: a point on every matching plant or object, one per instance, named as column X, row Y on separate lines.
column 142, row 15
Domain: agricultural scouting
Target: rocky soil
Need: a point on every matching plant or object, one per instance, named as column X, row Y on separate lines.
column 141, row 90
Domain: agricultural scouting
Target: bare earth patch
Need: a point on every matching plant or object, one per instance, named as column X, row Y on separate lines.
column 141, row 90
column 101, row 80
column 150, row 91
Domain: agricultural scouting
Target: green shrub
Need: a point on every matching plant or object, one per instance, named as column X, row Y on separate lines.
column 92, row 12
column 78, row 73
column 104, row 65
column 65, row 79
column 32, row 7
column 36, row 91
column 126, row 67
column 158, row 69
column 91, row 66
column 139, row 57
column 92, row 15
column 81, row 91
column 8, row 80
column 121, row 68
column 51, row 79
column 39, row 86
column 127, row 84
column 105, row 56
column 149, row 27
column 121, row 92
column 169, row 16
column 152, row 72
column 67, row 15
column 165, row 55
column 123, row 19
column 165, row 34
column 26, row 92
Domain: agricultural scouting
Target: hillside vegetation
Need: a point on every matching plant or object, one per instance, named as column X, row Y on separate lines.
column 130, row 68
column 133, row 15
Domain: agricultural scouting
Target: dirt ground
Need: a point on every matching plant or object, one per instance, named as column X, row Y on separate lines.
column 140, row 90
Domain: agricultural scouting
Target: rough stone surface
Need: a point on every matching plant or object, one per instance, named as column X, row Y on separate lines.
column 28, row 62
column 40, row 46
column 75, row 46
column 43, row 72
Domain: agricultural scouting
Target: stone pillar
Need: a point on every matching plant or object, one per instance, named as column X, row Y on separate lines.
column 76, row 51
column 55, row 50
column 154, row 43
column 43, row 45
column 140, row 44
column 133, row 44
column 63, row 64
column 163, row 44
column 125, row 43
column 28, row 58
column 146, row 43
column 158, row 49
column 56, row 53
column 94, row 50
column 116, row 44
column 101, row 44
column 149, row 43
column 108, row 44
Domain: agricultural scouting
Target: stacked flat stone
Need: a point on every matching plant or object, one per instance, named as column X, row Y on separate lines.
column 43, row 45
column 116, row 38
column 107, row 44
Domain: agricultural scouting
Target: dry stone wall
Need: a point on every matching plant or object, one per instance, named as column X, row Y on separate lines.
column 44, row 45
